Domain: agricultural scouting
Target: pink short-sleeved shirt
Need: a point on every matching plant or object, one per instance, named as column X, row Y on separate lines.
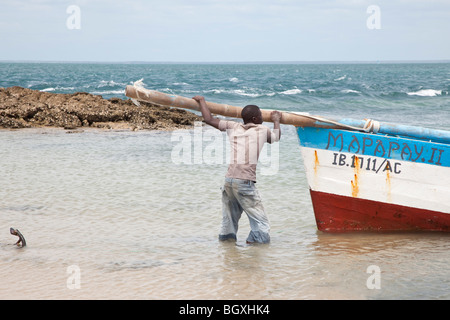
column 247, row 141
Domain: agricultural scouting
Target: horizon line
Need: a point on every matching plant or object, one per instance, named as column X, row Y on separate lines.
column 231, row 62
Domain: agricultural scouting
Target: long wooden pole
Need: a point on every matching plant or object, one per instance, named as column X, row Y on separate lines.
column 297, row 120
column 226, row 110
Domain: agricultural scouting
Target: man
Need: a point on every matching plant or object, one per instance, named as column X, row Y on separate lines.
column 239, row 192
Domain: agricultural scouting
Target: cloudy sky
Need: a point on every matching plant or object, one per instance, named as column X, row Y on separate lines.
column 224, row 30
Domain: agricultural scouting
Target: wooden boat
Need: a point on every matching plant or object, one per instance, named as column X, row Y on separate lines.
column 362, row 175
column 377, row 181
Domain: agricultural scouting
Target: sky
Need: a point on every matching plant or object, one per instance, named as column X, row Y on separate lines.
column 224, row 30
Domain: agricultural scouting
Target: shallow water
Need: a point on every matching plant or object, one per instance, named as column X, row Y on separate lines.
column 124, row 215
column 115, row 213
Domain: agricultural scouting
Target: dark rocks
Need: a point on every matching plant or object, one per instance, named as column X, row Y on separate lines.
column 26, row 108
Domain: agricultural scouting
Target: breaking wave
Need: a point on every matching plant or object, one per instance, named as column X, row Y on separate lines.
column 426, row 93
column 108, row 92
column 51, row 89
column 292, row 91
column 350, row 91
column 110, row 83
column 341, row 78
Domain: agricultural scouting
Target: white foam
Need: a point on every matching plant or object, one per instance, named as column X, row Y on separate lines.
column 233, row 79
column 251, row 92
column 108, row 92
column 341, row 78
column 57, row 88
column 239, row 92
column 426, row 93
column 350, row 91
column 166, row 90
column 292, row 91
column 243, row 93
column 215, row 91
column 111, row 83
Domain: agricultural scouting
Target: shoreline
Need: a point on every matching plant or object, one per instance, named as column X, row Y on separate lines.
column 22, row 108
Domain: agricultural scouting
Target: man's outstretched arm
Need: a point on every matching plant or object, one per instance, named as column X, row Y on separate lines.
column 209, row 119
column 276, row 118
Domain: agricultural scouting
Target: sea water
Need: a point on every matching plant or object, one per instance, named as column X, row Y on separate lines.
column 120, row 215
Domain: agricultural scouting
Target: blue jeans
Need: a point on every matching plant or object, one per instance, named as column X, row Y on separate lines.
column 241, row 195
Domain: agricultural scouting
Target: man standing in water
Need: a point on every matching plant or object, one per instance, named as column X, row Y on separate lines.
column 239, row 192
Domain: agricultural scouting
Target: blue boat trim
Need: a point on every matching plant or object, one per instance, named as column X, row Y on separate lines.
column 376, row 145
column 440, row 136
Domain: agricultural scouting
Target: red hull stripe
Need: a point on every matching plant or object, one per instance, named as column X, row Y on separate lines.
column 335, row 213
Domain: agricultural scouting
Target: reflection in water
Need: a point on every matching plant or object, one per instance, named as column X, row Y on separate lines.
column 403, row 258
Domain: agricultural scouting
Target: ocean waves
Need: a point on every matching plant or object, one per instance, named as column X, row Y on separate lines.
column 317, row 92
column 101, row 87
column 381, row 91
column 118, row 89
column 254, row 92
column 51, row 89
column 238, row 81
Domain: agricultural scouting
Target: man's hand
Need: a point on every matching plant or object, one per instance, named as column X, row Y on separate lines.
column 199, row 99
column 209, row 119
column 276, row 116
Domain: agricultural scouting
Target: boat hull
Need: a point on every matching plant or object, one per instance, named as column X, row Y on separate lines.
column 371, row 182
column 336, row 213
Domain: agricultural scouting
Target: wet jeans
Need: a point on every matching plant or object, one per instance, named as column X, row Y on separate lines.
column 241, row 195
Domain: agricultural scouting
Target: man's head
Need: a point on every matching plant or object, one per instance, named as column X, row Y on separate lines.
column 252, row 114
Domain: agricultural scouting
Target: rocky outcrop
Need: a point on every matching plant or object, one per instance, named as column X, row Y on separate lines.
column 26, row 108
